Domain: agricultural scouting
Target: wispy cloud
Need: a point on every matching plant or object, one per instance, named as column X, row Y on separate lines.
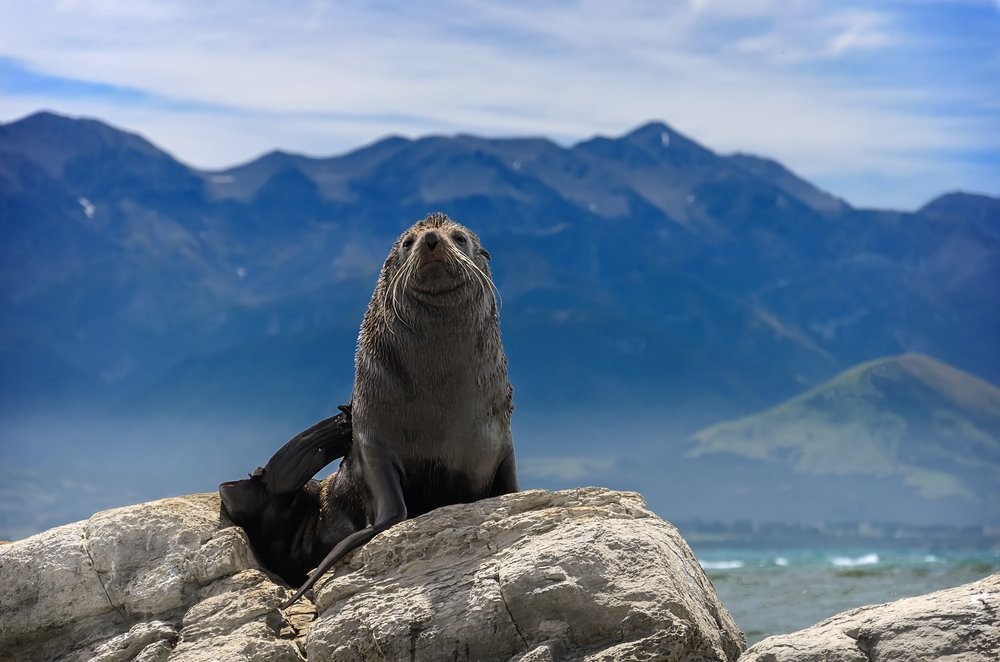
column 840, row 91
column 565, row 468
column 810, row 37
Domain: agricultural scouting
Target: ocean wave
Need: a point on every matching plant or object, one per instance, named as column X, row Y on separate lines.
column 781, row 561
column 721, row 565
column 847, row 562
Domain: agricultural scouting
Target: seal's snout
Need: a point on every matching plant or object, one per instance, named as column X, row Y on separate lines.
column 432, row 240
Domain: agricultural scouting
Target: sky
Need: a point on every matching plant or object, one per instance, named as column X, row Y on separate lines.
column 885, row 104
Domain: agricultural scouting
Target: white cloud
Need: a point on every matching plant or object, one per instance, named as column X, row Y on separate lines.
column 810, row 37
column 864, row 30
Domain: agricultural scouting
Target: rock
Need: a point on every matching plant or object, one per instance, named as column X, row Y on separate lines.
column 585, row 574
column 147, row 556
column 237, row 614
column 116, row 586
column 582, row 574
column 958, row 625
column 126, row 646
column 50, row 584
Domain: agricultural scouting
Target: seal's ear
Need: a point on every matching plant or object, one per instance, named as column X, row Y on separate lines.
column 485, row 253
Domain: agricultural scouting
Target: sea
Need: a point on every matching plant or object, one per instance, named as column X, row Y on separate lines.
column 774, row 591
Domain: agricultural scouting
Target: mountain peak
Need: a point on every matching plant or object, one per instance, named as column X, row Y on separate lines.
column 40, row 117
column 281, row 158
column 980, row 206
column 49, row 118
column 52, row 140
column 48, row 124
column 949, row 384
column 659, row 135
column 960, row 389
column 652, row 128
column 650, row 145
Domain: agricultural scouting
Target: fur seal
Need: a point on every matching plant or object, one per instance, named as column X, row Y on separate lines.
column 434, row 401
column 279, row 504
column 431, row 404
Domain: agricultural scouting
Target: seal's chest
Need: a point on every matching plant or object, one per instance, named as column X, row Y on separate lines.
column 429, row 484
column 443, row 358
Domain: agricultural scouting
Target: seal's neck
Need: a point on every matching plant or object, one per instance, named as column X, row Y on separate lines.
column 447, row 315
column 442, row 326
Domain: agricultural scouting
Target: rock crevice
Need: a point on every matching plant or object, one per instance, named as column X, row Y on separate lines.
column 513, row 621
column 104, row 587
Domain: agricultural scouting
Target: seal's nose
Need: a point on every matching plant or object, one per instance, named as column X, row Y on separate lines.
column 431, row 239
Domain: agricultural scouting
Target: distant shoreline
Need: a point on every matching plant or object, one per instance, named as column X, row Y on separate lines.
column 758, row 535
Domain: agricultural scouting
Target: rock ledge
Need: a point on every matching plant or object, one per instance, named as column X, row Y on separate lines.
column 581, row 574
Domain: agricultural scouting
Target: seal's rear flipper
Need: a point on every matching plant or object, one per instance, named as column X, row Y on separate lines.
column 243, row 500
column 305, row 454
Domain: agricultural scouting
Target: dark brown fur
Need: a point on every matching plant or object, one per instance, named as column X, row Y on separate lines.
column 279, row 504
column 432, row 404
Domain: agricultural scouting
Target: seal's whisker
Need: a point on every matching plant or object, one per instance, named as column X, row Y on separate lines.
column 485, row 281
column 402, row 284
column 390, row 300
column 396, row 283
column 469, row 270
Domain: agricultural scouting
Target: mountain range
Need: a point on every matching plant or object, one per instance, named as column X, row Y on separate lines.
column 647, row 282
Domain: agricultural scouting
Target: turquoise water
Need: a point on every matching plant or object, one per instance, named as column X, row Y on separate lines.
column 775, row 591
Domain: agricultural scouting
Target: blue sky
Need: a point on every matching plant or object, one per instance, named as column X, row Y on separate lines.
column 883, row 103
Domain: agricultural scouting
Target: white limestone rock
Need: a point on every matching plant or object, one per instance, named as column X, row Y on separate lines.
column 582, row 574
column 954, row 625
column 579, row 574
column 74, row 590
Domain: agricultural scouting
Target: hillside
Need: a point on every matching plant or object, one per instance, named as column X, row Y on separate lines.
column 908, row 417
column 645, row 278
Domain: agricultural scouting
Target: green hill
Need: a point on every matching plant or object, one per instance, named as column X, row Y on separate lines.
column 910, row 416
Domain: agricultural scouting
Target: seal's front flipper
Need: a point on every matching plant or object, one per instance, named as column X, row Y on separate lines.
column 505, row 480
column 383, row 484
column 305, row 454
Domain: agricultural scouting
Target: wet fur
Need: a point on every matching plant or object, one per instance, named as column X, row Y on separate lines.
column 279, row 504
column 430, row 409
column 431, row 374
column 432, row 403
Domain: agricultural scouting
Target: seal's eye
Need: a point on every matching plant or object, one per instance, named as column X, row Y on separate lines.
column 407, row 242
column 459, row 238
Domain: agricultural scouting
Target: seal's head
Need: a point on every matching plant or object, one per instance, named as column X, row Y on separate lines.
column 437, row 262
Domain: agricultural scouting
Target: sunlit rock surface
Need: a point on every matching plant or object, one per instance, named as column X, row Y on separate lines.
column 586, row 574
column 580, row 574
column 957, row 625
column 140, row 583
